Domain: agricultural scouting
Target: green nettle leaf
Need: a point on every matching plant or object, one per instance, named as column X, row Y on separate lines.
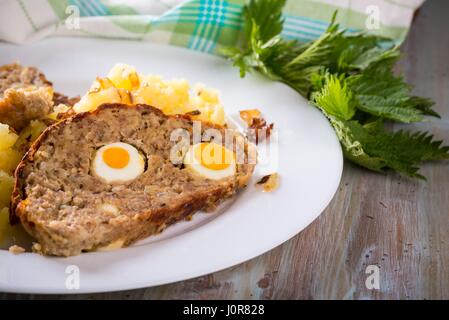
column 364, row 84
column 267, row 15
column 335, row 99
column 388, row 108
column 401, row 151
column 353, row 149
column 423, row 104
column 316, row 52
column 263, row 24
column 350, row 78
column 302, row 81
column 372, row 56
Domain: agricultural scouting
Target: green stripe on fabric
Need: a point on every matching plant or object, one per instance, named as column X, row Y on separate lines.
column 59, row 7
column 119, row 9
column 210, row 24
column 81, row 8
column 106, row 36
column 127, row 18
column 238, row 3
column 27, row 15
column 195, row 29
column 182, row 34
column 133, row 24
column 219, row 15
column 212, row 17
column 99, row 7
column 202, row 17
column 84, row 5
column 207, row 25
column 346, row 17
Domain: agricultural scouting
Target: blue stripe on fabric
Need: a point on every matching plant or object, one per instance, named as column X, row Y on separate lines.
column 201, row 32
column 293, row 24
column 92, row 9
column 207, row 11
column 300, row 39
column 303, row 31
column 193, row 15
column 100, row 7
column 233, row 5
column 83, row 12
column 195, row 10
column 290, row 19
column 193, row 36
column 212, row 26
column 220, row 13
column 86, row 9
column 214, row 44
column 204, row 15
column 311, row 20
column 298, row 36
column 174, row 21
column 208, row 26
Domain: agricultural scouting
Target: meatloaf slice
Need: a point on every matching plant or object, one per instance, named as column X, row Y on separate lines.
column 25, row 95
column 15, row 76
column 69, row 210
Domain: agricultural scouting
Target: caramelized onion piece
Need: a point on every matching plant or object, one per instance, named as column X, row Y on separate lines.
column 269, row 182
column 256, row 125
column 249, row 115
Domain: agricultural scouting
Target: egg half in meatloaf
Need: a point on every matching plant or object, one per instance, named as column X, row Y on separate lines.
column 107, row 178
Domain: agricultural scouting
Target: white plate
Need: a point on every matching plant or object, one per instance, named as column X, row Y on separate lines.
column 310, row 166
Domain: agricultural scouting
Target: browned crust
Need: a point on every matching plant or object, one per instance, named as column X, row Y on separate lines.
column 59, row 98
column 158, row 219
column 12, row 66
column 17, row 107
column 147, row 223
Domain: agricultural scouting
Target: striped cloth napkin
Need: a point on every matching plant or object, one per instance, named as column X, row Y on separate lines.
column 203, row 25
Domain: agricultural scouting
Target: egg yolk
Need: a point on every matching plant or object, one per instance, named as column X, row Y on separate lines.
column 116, row 158
column 213, row 156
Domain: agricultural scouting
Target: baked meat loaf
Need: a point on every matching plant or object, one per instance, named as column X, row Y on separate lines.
column 15, row 76
column 25, row 95
column 69, row 210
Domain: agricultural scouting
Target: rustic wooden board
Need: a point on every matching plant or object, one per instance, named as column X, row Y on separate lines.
column 398, row 224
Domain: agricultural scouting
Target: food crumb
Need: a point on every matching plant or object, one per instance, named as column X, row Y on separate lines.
column 15, row 249
column 37, row 248
column 258, row 129
column 249, row 115
column 269, row 182
column 193, row 113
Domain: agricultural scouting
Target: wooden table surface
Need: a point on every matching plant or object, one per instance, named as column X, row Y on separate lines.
column 397, row 224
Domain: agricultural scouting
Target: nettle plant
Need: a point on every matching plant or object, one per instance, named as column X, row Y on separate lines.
column 350, row 78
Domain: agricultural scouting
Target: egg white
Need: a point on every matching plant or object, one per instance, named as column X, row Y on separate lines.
column 194, row 164
column 134, row 168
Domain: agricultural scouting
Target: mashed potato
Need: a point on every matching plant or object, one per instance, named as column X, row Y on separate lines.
column 124, row 85
column 9, row 156
column 6, row 185
column 12, row 148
